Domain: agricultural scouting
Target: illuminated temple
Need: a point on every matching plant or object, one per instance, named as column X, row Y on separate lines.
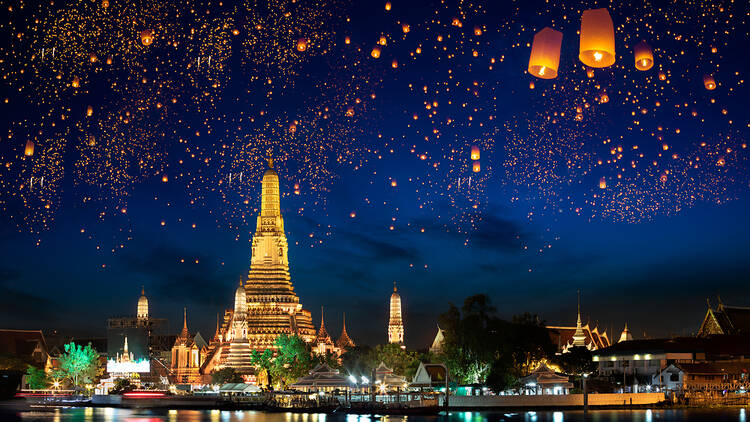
column 265, row 305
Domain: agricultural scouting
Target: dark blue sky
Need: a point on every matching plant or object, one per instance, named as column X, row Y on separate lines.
column 668, row 231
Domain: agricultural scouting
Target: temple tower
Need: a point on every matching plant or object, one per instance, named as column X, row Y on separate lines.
column 344, row 342
column 273, row 307
column 395, row 323
column 239, row 347
column 142, row 311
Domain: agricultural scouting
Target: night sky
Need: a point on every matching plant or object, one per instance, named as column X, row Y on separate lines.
column 640, row 201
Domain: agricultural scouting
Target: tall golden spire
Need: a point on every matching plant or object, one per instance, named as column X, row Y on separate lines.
column 344, row 341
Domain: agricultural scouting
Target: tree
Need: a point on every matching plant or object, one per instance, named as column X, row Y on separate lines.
column 225, row 376
column 394, row 357
column 264, row 361
column 358, row 361
column 577, row 361
column 122, row 385
column 79, row 364
column 294, row 359
column 36, row 378
column 479, row 347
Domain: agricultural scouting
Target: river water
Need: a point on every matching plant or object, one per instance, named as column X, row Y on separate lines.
column 136, row 415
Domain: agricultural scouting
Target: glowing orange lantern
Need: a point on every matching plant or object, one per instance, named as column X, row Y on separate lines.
column 164, row 178
column 709, row 82
column 105, row 3
column 590, row 73
column 29, row 150
column 474, row 152
column 644, row 56
column 545, row 53
column 405, row 28
column 597, row 47
column 147, row 37
column 394, row 63
column 301, row 44
column 477, row 31
column 602, row 183
column 393, row 183
column 387, row 5
column 476, row 167
column 375, row 53
column 92, row 141
column 92, row 58
column 76, row 82
column 604, row 98
column 89, row 111
column 347, row 40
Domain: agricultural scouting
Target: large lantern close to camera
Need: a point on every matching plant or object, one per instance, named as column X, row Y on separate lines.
column 597, row 47
column 644, row 56
column 709, row 82
column 545, row 53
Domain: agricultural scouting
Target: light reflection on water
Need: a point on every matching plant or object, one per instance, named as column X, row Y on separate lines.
column 145, row 415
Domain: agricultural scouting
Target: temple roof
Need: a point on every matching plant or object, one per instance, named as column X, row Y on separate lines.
column 725, row 320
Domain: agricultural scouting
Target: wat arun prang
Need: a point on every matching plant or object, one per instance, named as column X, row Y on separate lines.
column 265, row 304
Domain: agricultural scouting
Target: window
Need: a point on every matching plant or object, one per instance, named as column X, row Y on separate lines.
column 674, row 377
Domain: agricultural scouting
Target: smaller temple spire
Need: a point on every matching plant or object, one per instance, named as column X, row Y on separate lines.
column 323, row 336
column 394, row 287
column 626, row 334
column 345, row 341
column 579, row 338
column 185, row 331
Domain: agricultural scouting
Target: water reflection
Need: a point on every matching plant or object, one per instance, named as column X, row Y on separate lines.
column 148, row 415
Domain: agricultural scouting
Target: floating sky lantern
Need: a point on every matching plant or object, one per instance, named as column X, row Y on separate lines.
column 662, row 76
column 382, row 40
column 76, row 82
column 644, row 56
column 89, row 111
column 394, row 63
column 347, row 40
column 147, row 37
column 92, row 58
column 475, row 152
column 92, row 140
column 590, row 73
column 393, row 183
column 29, row 150
column 164, row 178
column 477, row 31
column 387, row 5
column 597, row 47
column 476, row 167
column 105, row 3
column 235, row 32
column 375, row 53
column 405, row 28
column 709, row 82
column 603, row 98
column 545, row 53
column 602, row 183
column 301, row 44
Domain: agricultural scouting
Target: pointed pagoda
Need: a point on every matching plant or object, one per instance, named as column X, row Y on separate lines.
column 344, row 342
column 142, row 310
column 239, row 357
column 579, row 338
column 323, row 336
column 187, row 355
column 626, row 334
column 725, row 319
column 273, row 307
column 566, row 337
column 395, row 323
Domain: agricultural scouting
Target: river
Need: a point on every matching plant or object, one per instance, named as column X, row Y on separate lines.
column 140, row 415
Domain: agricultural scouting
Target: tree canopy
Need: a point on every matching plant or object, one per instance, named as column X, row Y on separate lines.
column 480, row 347
column 79, row 364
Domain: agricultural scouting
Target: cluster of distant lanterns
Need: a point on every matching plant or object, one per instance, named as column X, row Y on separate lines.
column 597, row 48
